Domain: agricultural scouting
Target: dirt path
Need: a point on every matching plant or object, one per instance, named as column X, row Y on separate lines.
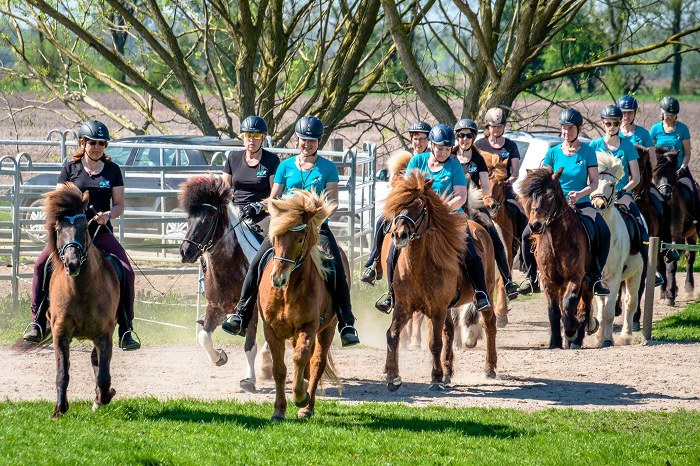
column 659, row 376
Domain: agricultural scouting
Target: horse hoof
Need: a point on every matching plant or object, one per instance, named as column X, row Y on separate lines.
column 607, row 344
column 490, row 374
column 248, row 385
column 223, row 358
column 593, row 325
column 95, row 406
column 305, row 413
column 394, row 384
column 501, row 321
column 670, row 302
column 303, row 403
column 436, row 387
column 636, row 326
column 446, row 380
column 575, row 346
column 277, row 417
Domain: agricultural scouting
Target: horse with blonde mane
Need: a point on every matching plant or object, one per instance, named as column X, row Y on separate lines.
column 622, row 266
column 294, row 299
column 429, row 273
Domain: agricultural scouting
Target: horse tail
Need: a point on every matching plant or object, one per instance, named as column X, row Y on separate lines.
column 21, row 346
column 398, row 161
column 330, row 375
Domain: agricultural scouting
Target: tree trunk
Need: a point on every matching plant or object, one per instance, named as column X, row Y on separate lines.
column 676, row 6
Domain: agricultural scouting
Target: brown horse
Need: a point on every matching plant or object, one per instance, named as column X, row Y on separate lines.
column 562, row 255
column 205, row 199
column 84, row 300
column 428, row 273
column 295, row 301
column 495, row 203
column 683, row 230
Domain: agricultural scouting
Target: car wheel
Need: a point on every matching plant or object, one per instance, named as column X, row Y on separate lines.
column 37, row 233
column 175, row 231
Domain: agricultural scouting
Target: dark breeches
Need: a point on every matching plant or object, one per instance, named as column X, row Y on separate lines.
column 499, row 248
column 380, row 230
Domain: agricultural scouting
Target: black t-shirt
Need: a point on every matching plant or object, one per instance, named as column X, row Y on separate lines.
column 475, row 166
column 99, row 185
column 250, row 184
column 508, row 151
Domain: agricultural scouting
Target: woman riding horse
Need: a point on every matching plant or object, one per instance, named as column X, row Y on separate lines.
column 623, row 150
column 476, row 171
column 674, row 135
column 311, row 172
column 449, row 181
column 418, row 133
column 578, row 179
column 93, row 171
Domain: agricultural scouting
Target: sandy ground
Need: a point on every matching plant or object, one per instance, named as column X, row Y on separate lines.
column 658, row 376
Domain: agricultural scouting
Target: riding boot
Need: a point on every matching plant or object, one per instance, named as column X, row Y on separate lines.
column 126, row 332
column 502, row 263
column 236, row 323
column 530, row 284
column 601, row 248
column 474, row 268
column 38, row 330
column 373, row 273
column 386, row 303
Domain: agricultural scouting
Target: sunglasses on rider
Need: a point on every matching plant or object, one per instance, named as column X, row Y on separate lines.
column 253, row 136
column 99, row 143
column 465, row 135
column 609, row 124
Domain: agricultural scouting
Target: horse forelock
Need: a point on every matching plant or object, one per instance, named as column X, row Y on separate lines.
column 59, row 203
column 199, row 190
column 608, row 163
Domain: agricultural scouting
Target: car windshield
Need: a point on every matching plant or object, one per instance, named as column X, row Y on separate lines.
column 119, row 155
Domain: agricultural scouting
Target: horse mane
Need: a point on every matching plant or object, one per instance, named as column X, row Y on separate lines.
column 538, row 182
column 490, row 158
column 665, row 158
column 398, row 161
column 204, row 189
column 296, row 208
column 62, row 202
column 645, row 170
column 610, row 164
column 445, row 236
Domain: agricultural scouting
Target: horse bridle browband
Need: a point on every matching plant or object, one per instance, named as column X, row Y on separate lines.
column 299, row 260
column 82, row 250
column 206, row 246
column 416, row 224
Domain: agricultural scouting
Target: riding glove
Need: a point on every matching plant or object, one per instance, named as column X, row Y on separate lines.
column 251, row 209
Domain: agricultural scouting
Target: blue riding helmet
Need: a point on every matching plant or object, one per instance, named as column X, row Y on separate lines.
column 627, row 102
column 442, row 135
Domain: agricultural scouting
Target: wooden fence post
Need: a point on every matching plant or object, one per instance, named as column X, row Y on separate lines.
column 649, row 290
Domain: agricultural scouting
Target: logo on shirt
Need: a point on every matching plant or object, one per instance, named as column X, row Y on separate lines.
column 105, row 184
column 505, row 154
column 316, row 179
column 579, row 162
column 262, row 173
column 472, row 169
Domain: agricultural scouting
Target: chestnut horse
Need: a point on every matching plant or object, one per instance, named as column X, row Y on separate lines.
column 429, row 273
column 683, row 230
column 84, row 300
column 295, row 301
column 562, row 255
column 210, row 234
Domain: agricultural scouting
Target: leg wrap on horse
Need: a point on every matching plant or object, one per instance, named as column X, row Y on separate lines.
column 341, row 296
column 380, row 230
column 249, row 290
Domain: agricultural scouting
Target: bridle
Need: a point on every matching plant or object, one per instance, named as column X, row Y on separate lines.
column 82, row 250
column 299, row 260
column 494, row 212
column 606, row 199
column 551, row 214
column 415, row 224
column 206, row 246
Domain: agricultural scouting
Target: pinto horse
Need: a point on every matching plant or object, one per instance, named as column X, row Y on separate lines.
column 295, row 301
column 210, row 234
column 429, row 273
column 84, row 300
column 683, row 229
column 562, row 256
column 622, row 266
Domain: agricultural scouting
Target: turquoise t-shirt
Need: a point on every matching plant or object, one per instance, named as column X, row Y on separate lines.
column 674, row 139
column 626, row 152
column 449, row 176
column 575, row 174
column 640, row 137
column 322, row 173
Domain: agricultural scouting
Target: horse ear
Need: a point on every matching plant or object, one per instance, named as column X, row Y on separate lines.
column 528, row 171
column 555, row 176
column 429, row 183
column 271, row 206
column 86, row 199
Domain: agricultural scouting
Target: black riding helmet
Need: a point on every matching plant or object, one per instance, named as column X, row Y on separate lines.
column 253, row 124
column 571, row 116
column 670, row 105
column 309, row 127
column 95, row 130
column 419, row 127
column 611, row 112
column 467, row 123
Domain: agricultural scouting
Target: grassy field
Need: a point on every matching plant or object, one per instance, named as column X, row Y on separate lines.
column 683, row 326
column 147, row 431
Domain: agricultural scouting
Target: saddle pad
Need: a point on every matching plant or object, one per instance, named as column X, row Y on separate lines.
column 249, row 240
column 633, row 229
column 587, row 216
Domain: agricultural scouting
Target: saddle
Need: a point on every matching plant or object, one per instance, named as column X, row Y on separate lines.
column 587, row 216
column 633, row 228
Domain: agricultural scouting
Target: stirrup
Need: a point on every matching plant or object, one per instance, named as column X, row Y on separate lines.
column 381, row 298
column 134, row 334
column 353, row 338
column 602, row 283
column 513, row 294
column 42, row 336
column 530, row 286
column 369, row 276
column 476, row 301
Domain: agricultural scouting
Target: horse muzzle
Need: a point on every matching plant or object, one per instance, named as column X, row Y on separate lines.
column 401, row 239
column 536, row 227
column 72, row 268
column 188, row 253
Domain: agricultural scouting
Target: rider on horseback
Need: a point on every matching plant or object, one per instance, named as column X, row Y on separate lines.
column 307, row 171
column 475, row 170
column 674, row 135
column 418, row 132
column 90, row 170
column 578, row 180
column 449, row 180
column 623, row 150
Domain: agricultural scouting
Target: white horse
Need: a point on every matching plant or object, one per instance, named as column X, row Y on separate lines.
column 620, row 266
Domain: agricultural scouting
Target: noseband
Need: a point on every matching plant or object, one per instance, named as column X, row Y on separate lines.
column 299, row 260
column 606, row 199
column 204, row 247
column 415, row 224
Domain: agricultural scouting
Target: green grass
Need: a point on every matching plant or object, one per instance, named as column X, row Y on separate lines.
column 683, row 265
column 147, row 431
column 683, row 326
